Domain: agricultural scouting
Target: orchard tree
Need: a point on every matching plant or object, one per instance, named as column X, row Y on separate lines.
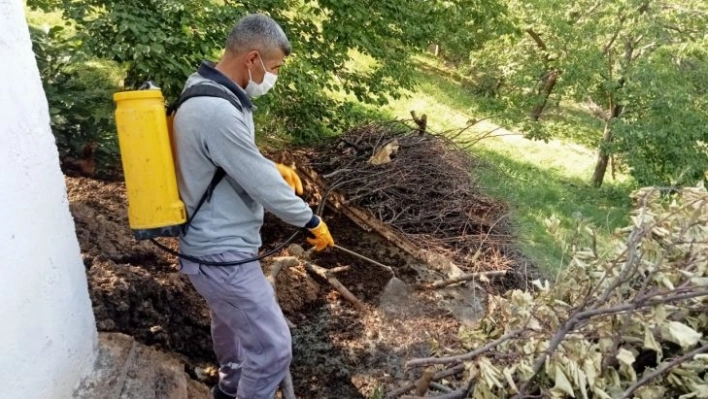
column 632, row 72
column 663, row 134
column 623, row 60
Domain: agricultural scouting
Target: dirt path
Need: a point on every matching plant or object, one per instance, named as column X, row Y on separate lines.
column 338, row 353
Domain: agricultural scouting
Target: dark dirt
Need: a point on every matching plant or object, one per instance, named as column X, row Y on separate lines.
column 133, row 287
column 338, row 353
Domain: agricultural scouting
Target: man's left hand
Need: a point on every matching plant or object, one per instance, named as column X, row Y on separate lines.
column 290, row 177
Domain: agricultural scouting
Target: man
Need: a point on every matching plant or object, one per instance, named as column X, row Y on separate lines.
column 250, row 336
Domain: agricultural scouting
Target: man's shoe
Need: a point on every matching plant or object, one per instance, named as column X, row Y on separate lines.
column 218, row 394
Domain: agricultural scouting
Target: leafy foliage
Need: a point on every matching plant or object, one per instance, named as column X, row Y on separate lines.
column 165, row 40
column 622, row 61
column 325, row 34
column 664, row 135
column 79, row 90
column 157, row 40
column 631, row 324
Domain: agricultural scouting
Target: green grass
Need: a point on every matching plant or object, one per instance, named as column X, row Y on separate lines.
column 539, row 180
column 538, row 194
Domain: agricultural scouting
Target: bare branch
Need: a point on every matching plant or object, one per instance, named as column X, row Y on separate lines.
column 606, row 48
column 589, row 11
column 440, row 387
column 466, row 277
column 438, row 376
column 537, row 38
column 325, row 274
column 467, row 356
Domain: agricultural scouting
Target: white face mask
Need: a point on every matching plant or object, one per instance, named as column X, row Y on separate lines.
column 254, row 89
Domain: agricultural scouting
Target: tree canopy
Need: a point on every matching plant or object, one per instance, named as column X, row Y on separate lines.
column 164, row 41
column 637, row 65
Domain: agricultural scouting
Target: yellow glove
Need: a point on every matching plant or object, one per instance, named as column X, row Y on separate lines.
column 290, row 177
column 322, row 239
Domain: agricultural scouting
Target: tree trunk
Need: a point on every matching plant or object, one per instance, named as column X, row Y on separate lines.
column 602, row 156
column 549, row 83
column 549, row 79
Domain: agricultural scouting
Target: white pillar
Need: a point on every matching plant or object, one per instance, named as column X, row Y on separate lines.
column 47, row 330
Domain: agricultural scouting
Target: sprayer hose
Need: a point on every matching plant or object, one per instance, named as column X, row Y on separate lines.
column 233, row 263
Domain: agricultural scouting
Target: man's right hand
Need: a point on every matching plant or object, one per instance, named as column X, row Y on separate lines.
column 322, row 239
column 290, row 177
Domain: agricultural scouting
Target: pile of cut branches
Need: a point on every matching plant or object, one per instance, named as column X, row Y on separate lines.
column 420, row 184
column 630, row 324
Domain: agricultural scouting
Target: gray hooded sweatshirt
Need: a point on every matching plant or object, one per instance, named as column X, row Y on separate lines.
column 211, row 132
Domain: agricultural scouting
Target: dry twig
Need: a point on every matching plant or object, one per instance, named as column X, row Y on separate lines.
column 663, row 370
column 466, row 277
column 424, row 382
column 438, row 376
column 467, row 356
column 425, row 193
column 440, row 387
column 327, row 275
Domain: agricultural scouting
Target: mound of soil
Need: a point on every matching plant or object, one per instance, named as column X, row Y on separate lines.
column 134, row 289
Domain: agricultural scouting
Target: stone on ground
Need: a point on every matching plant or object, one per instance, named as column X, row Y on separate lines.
column 126, row 369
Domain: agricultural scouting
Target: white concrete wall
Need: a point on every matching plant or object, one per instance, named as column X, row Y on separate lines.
column 47, row 331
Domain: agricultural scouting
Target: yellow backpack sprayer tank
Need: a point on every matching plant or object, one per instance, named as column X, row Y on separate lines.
column 154, row 205
column 147, row 155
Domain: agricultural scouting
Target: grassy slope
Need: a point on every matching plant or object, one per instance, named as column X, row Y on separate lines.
column 539, row 180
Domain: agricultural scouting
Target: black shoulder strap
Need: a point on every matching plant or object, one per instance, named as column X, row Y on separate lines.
column 218, row 176
column 203, row 90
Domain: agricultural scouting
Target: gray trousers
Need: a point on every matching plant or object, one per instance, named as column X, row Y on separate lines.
column 250, row 335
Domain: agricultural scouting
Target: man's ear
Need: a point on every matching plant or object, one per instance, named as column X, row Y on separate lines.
column 251, row 58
